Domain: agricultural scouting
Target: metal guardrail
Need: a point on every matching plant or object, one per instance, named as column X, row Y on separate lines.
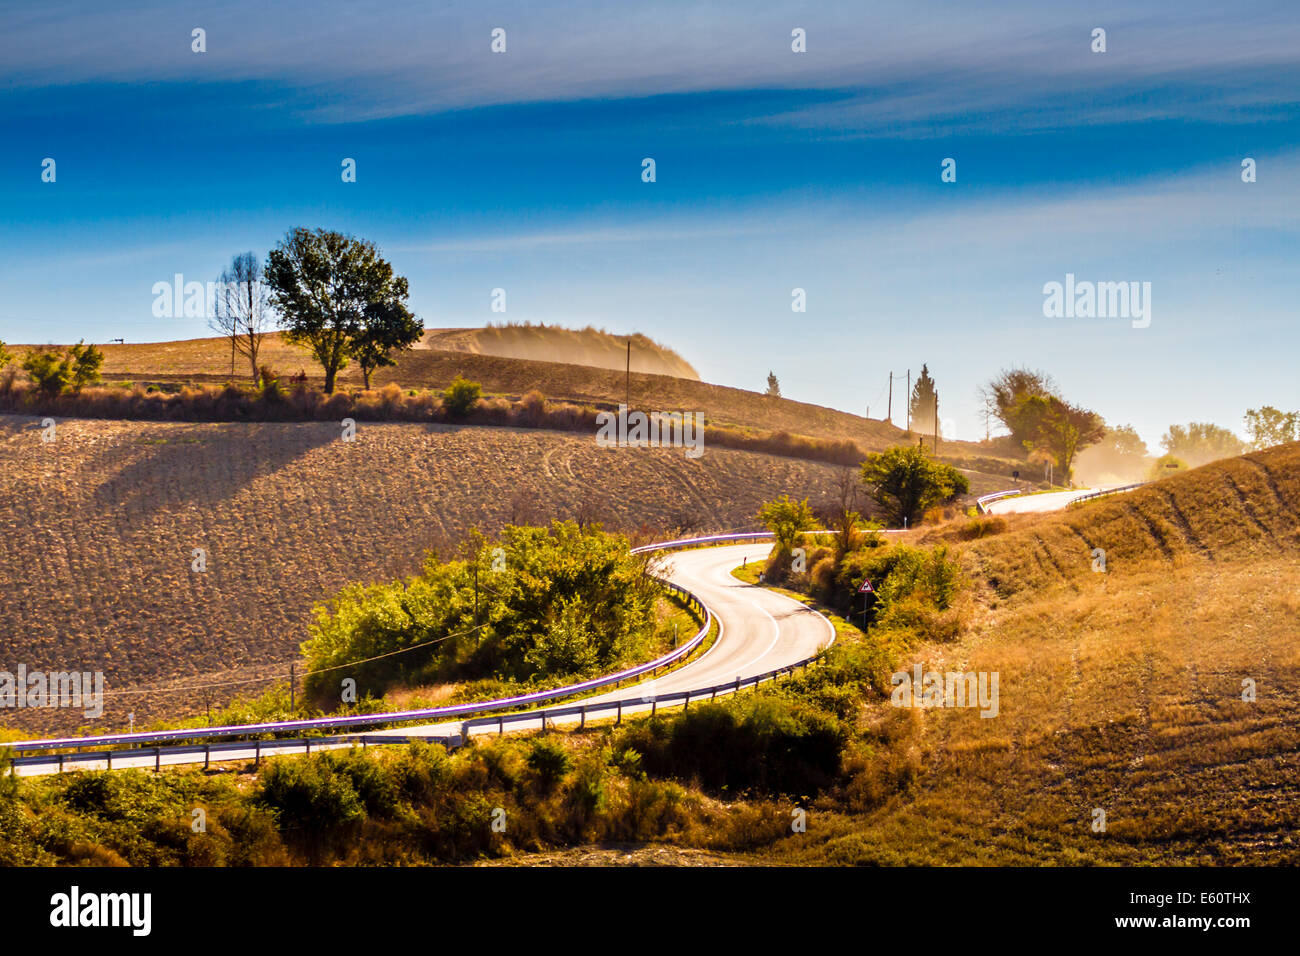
column 211, row 751
column 387, row 717
column 583, row 711
column 144, row 738
column 983, row 501
column 1108, row 491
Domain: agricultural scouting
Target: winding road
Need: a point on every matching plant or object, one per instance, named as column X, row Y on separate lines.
column 1045, row 501
column 759, row 631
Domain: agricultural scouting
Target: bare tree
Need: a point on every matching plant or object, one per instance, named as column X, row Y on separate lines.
column 842, row 513
column 242, row 310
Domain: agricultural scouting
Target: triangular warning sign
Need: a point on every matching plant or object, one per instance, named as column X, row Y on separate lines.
column 866, row 588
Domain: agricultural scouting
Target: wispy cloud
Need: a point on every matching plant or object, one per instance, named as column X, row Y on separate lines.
column 908, row 62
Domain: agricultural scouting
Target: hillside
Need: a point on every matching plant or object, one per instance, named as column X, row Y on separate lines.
column 97, row 530
column 208, row 361
column 551, row 343
column 1119, row 691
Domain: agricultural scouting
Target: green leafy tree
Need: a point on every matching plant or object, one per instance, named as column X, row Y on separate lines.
column 787, row 520
column 335, row 295
column 1007, row 393
column 386, row 327
column 86, row 361
column 1201, row 442
column 5, row 355
column 537, row 602
column 1057, row 428
column 461, row 396
column 49, row 370
column 905, row 482
column 924, row 403
column 1269, row 426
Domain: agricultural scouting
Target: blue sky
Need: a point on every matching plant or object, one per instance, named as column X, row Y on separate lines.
column 775, row 170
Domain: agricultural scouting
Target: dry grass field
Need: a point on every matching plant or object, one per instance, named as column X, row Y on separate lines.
column 552, row 343
column 208, row 361
column 1120, row 691
column 97, row 531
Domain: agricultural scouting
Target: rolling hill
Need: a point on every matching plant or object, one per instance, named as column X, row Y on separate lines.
column 208, row 361
column 1160, row 692
column 97, row 530
column 551, row 343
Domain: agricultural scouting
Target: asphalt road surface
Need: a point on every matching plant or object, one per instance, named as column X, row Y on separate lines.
column 1048, row 501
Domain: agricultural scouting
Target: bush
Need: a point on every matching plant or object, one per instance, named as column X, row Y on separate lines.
column 532, row 409
column 54, row 372
column 461, row 396
column 906, row 482
column 86, row 361
column 758, row 742
column 310, row 797
column 269, row 385
column 50, row 372
column 569, row 601
column 550, row 761
column 981, row 526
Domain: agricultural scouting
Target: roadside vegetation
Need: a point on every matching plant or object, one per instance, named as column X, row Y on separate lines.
column 562, row 602
column 1120, row 690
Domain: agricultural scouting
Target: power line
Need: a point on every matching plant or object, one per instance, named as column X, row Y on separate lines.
column 321, row 670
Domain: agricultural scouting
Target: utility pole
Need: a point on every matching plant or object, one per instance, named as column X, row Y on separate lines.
column 629, row 374
column 293, row 679
column 908, row 399
column 889, row 416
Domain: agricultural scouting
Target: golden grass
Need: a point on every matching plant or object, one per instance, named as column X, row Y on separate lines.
column 1120, row 691
column 553, row 343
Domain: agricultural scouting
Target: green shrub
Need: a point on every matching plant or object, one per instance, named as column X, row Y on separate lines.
column 906, row 482
column 549, row 760
column 86, row 362
column 758, row 742
column 566, row 601
column 54, row 372
column 461, row 396
column 309, row 794
column 50, row 372
column 421, row 771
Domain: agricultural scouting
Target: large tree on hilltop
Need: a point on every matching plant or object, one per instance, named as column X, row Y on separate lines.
column 340, row 299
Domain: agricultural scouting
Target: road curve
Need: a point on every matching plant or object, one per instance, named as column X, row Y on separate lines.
column 760, row 631
column 1047, row 501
